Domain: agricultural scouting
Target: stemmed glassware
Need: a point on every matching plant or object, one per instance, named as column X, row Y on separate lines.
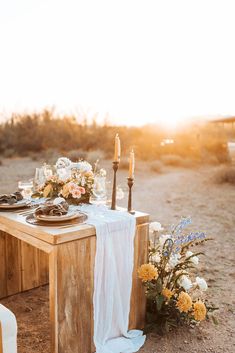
column 26, row 187
column 99, row 190
column 39, row 178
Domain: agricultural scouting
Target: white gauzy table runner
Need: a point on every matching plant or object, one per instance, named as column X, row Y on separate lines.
column 115, row 231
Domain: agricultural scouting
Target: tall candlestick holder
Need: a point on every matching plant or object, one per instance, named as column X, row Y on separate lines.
column 130, row 182
column 114, row 194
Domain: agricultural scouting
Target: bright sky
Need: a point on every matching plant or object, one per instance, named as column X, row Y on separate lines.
column 138, row 60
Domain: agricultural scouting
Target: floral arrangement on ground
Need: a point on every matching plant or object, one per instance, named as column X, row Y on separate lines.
column 72, row 181
column 173, row 297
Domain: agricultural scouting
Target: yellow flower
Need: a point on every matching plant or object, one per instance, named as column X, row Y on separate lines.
column 47, row 190
column 199, row 310
column 167, row 293
column 147, row 272
column 65, row 191
column 89, row 174
column 184, row 302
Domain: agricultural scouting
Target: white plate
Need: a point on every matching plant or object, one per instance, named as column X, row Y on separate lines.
column 69, row 216
column 19, row 204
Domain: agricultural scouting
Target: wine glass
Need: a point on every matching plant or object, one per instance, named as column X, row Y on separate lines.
column 26, row 187
column 99, row 190
column 39, row 178
column 48, row 172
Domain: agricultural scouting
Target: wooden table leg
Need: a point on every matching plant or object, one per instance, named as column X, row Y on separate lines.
column 71, row 293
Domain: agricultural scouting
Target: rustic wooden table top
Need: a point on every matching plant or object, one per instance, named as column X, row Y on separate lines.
column 12, row 222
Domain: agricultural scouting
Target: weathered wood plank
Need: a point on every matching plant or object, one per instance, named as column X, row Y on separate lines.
column 3, row 278
column 29, row 266
column 73, row 296
column 138, row 299
column 53, row 294
column 43, row 266
column 22, row 266
column 13, row 265
column 92, row 266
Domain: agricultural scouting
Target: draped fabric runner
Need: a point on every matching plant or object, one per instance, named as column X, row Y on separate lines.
column 114, row 259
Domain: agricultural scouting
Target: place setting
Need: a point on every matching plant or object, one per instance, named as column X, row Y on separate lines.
column 56, row 213
column 13, row 201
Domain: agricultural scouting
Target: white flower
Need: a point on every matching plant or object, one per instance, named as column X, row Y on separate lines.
column 155, row 227
column 58, row 200
column 156, row 257
column 185, row 282
column 102, row 172
column 194, row 259
column 83, row 181
column 63, row 162
column 83, row 166
column 201, row 283
column 174, row 260
column 163, row 238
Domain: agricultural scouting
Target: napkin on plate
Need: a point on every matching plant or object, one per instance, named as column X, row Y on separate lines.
column 51, row 209
column 10, row 199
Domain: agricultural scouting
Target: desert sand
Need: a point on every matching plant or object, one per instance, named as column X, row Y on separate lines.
column 166, row 197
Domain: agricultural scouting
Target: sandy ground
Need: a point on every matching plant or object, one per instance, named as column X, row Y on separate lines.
column 166, row 197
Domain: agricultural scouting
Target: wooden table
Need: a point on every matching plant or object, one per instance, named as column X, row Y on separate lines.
column 31, row 256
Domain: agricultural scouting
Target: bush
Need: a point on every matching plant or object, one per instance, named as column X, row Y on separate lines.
column 177, row 161
column 76, row 155
column 156, row 167
column 50, row 156
column 225, row 175
column 35, row 157
column 93, row 156
column 124, row 164
column 9, row 153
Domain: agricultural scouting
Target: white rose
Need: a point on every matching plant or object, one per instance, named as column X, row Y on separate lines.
column 163, row 238
column 174, row 260
column 194, row 259
column 155, row 227
column 201, row 283
column 185, row 282
column 63, row 162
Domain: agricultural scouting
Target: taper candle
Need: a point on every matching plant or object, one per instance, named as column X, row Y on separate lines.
column 117, row 149
column 132, row 164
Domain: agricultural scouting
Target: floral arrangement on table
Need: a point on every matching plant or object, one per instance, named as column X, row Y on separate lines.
column 72, row 181
column 173, row 297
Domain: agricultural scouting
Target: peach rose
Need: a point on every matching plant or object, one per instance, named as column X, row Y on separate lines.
column 76, row 193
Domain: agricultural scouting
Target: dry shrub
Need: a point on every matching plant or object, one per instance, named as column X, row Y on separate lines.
column 76, row 155
column 124, row 164
column 50, row 156
column 35, row 156
column 225, row 174
column 9, row 153
column 1, row 162
column 94, row 156
column 177, row 161
column 156, row 167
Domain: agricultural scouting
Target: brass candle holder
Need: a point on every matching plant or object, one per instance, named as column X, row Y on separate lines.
column 114, row 194
column 130, row 182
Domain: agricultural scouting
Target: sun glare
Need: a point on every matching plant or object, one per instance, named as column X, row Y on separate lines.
column 118, row 59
